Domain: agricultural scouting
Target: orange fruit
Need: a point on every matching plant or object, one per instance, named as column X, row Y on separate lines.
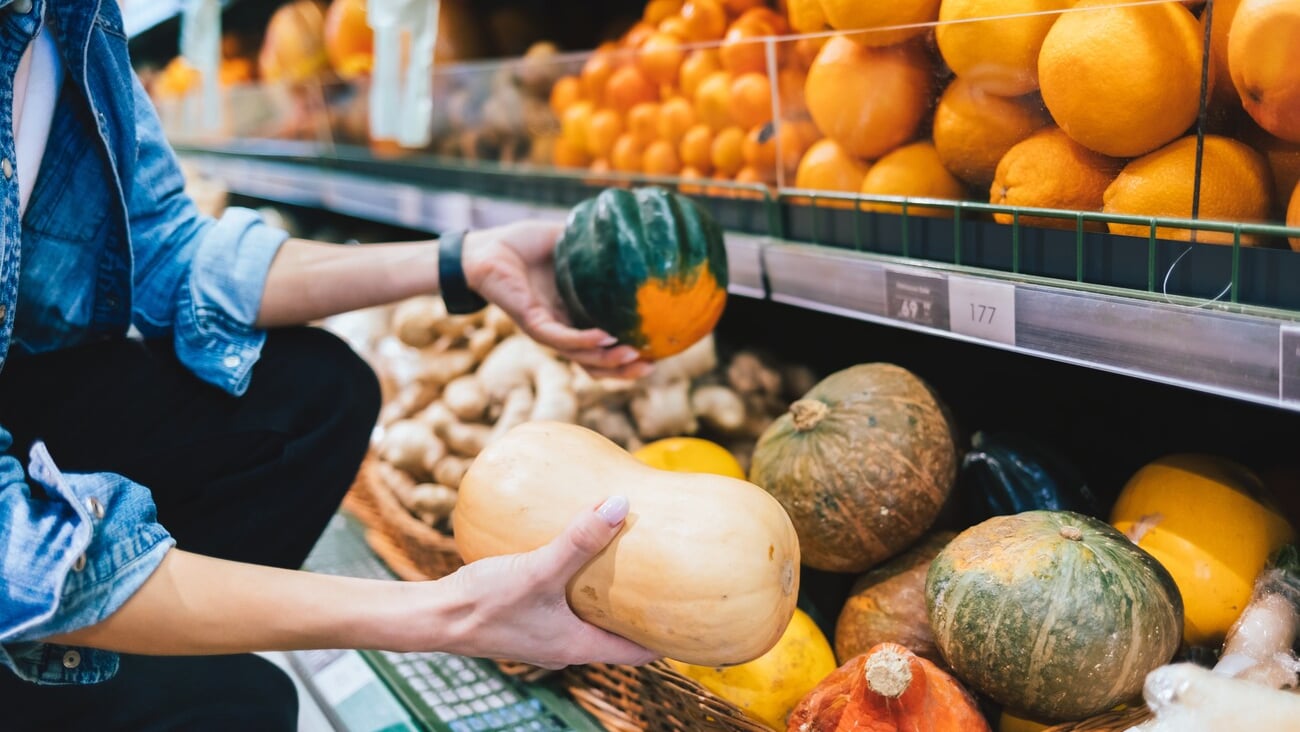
column 870, row 100
column 603, row 129
column 999, row 55
column 696, row 68
column 806, row 16
column 807, row 48
column 568, row 155
column 1283, row 159
column 1123, row 80
column 567, row 90
column 727, row 152
column 768, row 17
column 628, row 87
column 697, row 148
column 1264, row 60
column 751, row 100
column 705, row 20
column 750, row 176
column 676, row 116
column 1293, row 217
column 790, row 83
column 792, row 143
column 660, row 158
column 713, row 100
column 849, row 15
column 626, row 157
column 914, row 171
column 736, row 7
column 759, row 150
column 598, row 167
column 656, row 11
column 643, row 123
column 828, row 167
column 1235, row 186
column 661, row 57
column 595, row 75
column 638, row 34
column 690, row 189
column 743, row 49
column 973, row 129
column 575, row 123
column 1050, row 170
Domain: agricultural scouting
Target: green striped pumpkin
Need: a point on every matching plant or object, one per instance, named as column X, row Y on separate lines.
column 1053, row 614
column 647, row 266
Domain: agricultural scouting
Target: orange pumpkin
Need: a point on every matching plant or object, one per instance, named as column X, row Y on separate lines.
column 888, row 689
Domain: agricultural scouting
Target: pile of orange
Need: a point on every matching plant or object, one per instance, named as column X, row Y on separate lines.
column 1063, row 104
column 688, row 92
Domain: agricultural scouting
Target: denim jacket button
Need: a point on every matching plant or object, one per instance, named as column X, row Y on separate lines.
column 7, row 168
column 95, row 507
column 231, row 361
column 22, row 6
column 3, row 312
column 71, row 660
column 80, row 564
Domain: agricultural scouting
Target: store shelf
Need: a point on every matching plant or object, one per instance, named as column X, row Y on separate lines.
column 1245, row 353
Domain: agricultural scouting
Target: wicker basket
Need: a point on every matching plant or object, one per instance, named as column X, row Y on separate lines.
column 654, row 698
column 1108, row 722
column 411, row 548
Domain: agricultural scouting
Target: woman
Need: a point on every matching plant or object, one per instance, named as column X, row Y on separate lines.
column 176, row 479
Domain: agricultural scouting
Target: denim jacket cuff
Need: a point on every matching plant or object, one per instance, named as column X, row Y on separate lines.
column 215, row 336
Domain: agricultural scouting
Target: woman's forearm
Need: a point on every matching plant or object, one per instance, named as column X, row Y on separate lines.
column 310, row 280
column 195, row 605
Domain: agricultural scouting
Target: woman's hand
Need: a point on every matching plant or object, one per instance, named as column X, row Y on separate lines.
column 514, row 267
column 514, row 607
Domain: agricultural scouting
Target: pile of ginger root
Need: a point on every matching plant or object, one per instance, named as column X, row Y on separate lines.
column 452, row 384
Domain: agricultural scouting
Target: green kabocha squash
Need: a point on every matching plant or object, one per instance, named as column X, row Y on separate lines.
column 1053, row 614
column 863, row 464
column 647, row 266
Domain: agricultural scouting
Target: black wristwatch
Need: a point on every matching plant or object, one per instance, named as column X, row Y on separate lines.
column 456, row 293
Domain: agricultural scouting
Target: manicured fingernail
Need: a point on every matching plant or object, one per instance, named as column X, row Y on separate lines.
column 643, row 370
column 628, row 357
column 613, row 510
column 608, row 341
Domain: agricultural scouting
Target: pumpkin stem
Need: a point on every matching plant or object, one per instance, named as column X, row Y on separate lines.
column 808, row 413
column 888, row 672
column 1072, row 533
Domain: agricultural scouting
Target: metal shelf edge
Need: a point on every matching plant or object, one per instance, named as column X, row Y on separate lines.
column 1241, row 356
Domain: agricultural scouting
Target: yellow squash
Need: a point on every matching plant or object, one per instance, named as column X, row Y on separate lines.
column 1202, row 518
column 706, row 569
column 768, row 687
column 690, row 455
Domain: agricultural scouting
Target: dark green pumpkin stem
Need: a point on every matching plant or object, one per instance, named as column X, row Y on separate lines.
column 808, row 413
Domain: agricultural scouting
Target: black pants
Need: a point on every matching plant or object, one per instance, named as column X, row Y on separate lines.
column 252, row 479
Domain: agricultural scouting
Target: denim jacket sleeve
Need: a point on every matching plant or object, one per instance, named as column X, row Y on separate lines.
column 72, row 557
column 199, row 279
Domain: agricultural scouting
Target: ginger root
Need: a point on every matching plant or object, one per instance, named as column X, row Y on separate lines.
column 664, row 410
column 431, row 502
column 612, row 423
column 440, row 368
column 451, row 469
column 415, row 320
column 514, row 412
column 466, row 398
column 555, row 400
column 410, row 447
column 719, row 407
column 466, row 440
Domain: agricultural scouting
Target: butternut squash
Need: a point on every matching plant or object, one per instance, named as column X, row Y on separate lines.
column 705, row 570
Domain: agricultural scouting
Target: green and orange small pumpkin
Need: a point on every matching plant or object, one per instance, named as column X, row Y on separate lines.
column 648, row 266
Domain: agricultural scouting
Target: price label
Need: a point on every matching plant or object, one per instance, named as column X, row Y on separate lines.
column 916, row 298
column 1290, row 364
column 983, row 309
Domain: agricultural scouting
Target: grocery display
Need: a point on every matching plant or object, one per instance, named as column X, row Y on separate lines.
column 1104, row 184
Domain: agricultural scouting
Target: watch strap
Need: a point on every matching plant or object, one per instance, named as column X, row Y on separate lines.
column 456, row 292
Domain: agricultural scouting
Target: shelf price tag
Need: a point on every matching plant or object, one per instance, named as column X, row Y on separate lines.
column 1289, row 373
column 983, row 309
column 917, row 298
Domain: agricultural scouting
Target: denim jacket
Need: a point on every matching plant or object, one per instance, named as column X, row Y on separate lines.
column 109, row 240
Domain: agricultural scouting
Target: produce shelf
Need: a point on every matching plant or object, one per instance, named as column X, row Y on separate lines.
column 1244, row 352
